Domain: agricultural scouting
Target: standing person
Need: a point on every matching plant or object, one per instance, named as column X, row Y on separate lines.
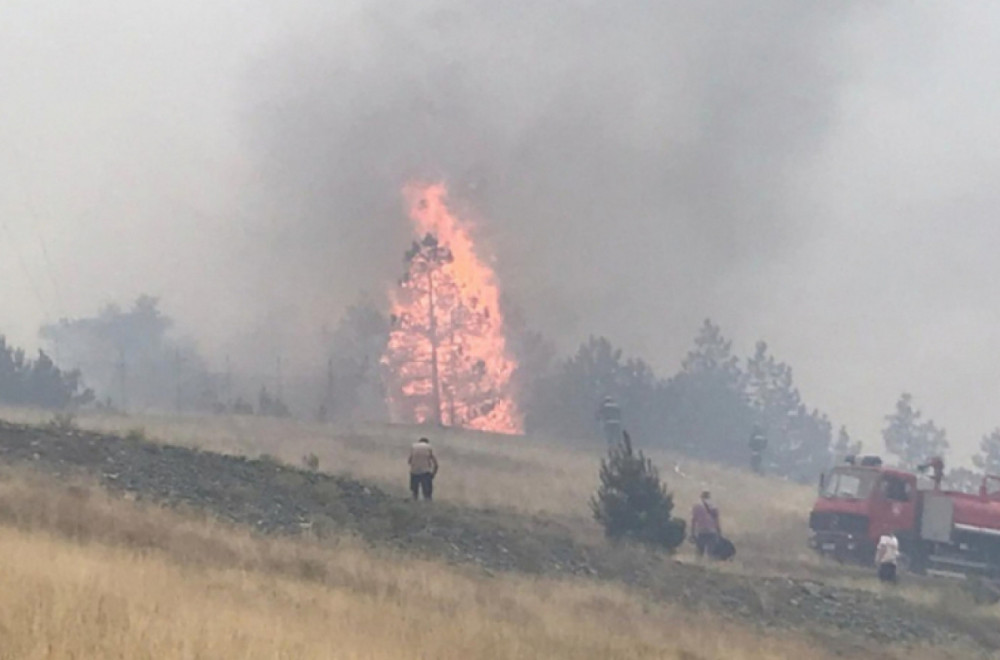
column 886, row 556
column 705, row 527
column 758, row 443
column 610, row 417
column 423, row 468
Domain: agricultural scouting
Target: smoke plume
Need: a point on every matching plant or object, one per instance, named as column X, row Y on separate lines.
column 613, row 152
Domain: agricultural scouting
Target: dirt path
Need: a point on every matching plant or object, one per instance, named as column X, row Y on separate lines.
column 274, row 498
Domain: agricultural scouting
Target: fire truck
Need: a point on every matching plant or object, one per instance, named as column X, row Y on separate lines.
column 939, row 531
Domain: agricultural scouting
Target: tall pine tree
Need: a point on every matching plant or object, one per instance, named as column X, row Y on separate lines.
column 799, row 438
column 704, row 410
column 434, row 375
column 566, row 399
column 910, row 438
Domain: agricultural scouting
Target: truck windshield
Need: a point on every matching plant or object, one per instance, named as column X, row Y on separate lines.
column 850, row 484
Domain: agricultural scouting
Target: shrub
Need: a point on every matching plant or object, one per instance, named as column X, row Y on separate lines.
column 632, row 503
column 311, row 462
column 137, row 434
column 38, row 382
column 63, row 422
column 269, row 459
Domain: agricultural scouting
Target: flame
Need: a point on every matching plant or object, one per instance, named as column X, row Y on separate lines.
column 454, row 358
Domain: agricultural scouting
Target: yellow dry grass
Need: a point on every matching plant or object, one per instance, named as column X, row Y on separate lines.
column 85, row 576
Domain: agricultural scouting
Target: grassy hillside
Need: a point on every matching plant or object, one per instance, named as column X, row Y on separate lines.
column 88, row 576
column 532, row 579
column 535, row 475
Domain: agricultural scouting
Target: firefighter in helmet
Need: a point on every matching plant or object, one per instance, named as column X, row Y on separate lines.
column 936, row 468
column 609, row 415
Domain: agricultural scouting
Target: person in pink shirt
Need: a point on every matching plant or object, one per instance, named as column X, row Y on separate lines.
column 705, row 527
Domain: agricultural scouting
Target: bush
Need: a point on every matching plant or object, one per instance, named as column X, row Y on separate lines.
column 137, row 434
column 63, row 422
column 632, row 503
column 38, row 382
column 269, row 459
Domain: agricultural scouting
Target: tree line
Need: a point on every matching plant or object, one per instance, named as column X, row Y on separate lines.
column 913, row 439
column 38, row 382
column 130, row 360
column 707, row 410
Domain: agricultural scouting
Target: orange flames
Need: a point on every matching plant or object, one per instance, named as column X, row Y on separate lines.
column 447, row 357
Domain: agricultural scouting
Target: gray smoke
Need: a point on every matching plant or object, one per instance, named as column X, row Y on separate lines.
column 613, row 151
column 818, row 175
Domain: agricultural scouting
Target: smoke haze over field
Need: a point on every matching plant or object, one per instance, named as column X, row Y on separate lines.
column 814, row 174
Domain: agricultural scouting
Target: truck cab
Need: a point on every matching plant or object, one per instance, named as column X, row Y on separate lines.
column 857, row 504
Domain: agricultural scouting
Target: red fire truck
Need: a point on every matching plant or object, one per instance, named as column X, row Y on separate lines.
column 938, row 530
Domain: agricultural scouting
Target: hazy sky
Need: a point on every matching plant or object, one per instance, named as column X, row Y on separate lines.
column 816, row 174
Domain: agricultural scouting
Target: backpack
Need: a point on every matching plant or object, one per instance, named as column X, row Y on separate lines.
column 723, row 549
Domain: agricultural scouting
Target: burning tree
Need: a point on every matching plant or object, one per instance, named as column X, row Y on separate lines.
column 415, row 353
column 446, row 358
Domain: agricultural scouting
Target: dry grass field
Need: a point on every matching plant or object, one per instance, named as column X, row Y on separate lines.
column 767, row 517
column 87, row 576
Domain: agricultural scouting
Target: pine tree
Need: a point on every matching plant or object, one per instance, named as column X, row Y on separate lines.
column 912, row 440
column 800, row 438
column 354, row 388
column 988, row 458
column 130, row 355
column 844, row 445
column 416, row 337
column 433, row 373
column 632, row 503
column 712, row 353
column 963, row 480
column 703, row 409
column 566, row 400
column 38, row 382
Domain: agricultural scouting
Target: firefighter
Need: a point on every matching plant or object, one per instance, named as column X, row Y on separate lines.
column 886, row 556
column 758, row 443
column 936, row 466
column 705, row 527
column 423, row 469
column 610, row 417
